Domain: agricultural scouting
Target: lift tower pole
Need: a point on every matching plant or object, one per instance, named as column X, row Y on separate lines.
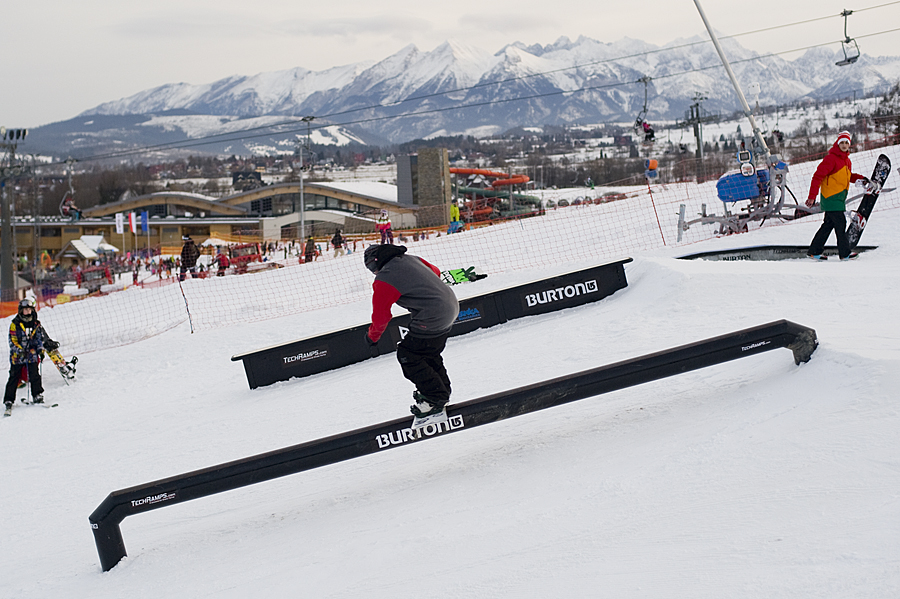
column 757, row 135
column 9, row 140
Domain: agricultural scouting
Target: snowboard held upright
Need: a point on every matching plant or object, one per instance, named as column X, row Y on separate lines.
column 860, row 216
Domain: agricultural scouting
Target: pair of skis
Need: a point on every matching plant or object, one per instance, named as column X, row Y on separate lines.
column 8, row 411
column 66, row 369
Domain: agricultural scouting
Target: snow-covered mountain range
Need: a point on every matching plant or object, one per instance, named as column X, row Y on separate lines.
column 460, row 89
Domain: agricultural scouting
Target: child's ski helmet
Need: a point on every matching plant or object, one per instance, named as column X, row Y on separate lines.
column 26, row 303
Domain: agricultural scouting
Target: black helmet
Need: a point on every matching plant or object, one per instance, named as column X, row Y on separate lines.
column 26, row 303
column 376, row 256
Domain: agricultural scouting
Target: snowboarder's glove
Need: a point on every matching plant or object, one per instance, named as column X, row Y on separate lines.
column 873, row 187
column 51, row 345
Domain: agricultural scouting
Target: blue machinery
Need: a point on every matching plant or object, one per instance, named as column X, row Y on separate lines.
column 763, row 189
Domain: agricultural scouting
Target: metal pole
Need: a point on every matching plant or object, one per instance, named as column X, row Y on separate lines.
column 307, row 120
column 302, row 203
column 38, row 205
column 10, row 287
column 737, row 88
column 6, row 262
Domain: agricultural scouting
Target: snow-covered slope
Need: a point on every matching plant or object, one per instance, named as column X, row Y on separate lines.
column 755, row 478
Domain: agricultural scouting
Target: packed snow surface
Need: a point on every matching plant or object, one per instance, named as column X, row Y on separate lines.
column 754, row 478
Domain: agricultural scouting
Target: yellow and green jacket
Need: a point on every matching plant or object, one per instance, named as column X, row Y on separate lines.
column 832, row 179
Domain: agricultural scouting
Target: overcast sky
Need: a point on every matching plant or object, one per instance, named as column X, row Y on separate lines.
column 63, row 57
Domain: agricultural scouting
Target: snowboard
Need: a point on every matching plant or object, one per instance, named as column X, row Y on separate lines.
column 860, row 216
column 65, row 368
column 461, row 275
column 423, row 421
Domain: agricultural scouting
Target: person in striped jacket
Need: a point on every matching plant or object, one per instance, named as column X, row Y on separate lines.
column 26, row 350
column 832, row 179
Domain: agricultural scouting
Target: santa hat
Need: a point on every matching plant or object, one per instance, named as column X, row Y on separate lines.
column 843, row 135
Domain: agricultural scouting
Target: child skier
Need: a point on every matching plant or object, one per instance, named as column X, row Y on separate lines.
column 833, row 178
column 26, row 349
column 414, row 284
column 383, row 226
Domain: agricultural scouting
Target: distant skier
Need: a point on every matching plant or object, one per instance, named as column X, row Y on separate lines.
column 26, row 350
column 833, row 178
column 309, row 252
column 223, row 263
column 383, row 225
column 189, row 256
column 455, row 221
column 649, row 134
column 338, row 242
column 414, row 284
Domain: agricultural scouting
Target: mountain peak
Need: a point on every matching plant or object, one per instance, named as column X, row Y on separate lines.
column 462, row 87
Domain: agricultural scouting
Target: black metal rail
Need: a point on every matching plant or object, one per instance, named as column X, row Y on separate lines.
column 225, row 477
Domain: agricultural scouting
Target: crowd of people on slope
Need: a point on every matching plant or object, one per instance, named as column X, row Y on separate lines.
column 411, row 282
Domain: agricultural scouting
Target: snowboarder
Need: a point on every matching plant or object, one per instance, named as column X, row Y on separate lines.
column 189, row 255
column 26, row 349
column 832, row 179
column 414, row 284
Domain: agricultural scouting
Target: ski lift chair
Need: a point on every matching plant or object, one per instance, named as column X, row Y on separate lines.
column 849, row 45
column 851, row 52
column 639, row 122
column 642, row 115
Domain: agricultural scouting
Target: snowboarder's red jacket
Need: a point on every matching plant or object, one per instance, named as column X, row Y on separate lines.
column 414, row 284
column 833, row 177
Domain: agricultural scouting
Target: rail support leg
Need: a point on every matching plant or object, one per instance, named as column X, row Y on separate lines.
column 803, row 346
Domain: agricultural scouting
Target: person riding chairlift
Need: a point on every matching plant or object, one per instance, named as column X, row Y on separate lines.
column 70, row 209
column 649, row 135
